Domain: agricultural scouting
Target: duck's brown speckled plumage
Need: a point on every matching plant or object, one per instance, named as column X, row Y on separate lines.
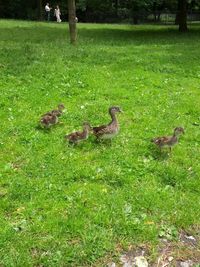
column 76, row 137
column 168, row 141
column 57, row 112
column 48, row 120
column 51, row 118
column 110, row 130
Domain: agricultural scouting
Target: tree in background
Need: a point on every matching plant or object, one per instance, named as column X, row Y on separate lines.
column 72, row 21
column 182, row 15
column 106, row 10
column 183, row 7
column 141, row 9
column 40, row 9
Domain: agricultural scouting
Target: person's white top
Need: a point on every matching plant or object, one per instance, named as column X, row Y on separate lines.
column 57, row 12
column 47, row 8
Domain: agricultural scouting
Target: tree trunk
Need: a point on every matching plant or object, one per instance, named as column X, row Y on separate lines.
column 39, row 9
column 182, row 17
column 178, row 13
column 72, row 21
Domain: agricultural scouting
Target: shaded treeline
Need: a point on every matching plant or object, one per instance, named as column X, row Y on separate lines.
column 133, row 11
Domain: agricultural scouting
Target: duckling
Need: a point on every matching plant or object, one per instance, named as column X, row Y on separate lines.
column 51, row 118
column 77, row 137
column 110, row 130
column 57, row 112
column 48, row 120
column 168, row 141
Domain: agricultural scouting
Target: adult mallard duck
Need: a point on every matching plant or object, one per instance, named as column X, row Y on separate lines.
column 77, row 137
column 168, row 141
column 110, row 130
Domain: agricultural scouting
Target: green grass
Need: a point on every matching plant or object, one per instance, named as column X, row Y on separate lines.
column 65, row 206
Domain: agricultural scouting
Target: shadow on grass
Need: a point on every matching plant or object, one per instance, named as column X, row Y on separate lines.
column 47, row 130
column 24, row 45
column 159, row 155
column 139, row 36
column 136, row 34
column 89, row 144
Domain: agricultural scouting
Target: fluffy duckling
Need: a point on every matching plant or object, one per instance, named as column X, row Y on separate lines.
column 48, row 120
column 110, row 130
column 168, row 141
column 77, row 137
column 51, row 118
column 57, row 112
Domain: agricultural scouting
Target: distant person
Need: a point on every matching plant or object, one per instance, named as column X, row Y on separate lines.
column 47, row 10
column 57, row 13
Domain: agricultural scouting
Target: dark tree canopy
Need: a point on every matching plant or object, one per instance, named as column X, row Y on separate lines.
column 132, row 11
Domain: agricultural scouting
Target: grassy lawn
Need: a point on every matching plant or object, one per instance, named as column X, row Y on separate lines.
column 82, row 206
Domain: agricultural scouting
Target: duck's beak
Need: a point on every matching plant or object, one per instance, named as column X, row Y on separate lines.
column 121, row 111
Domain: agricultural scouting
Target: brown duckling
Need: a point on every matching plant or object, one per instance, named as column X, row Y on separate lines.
column 110, row 130
column 77, row 137
column 57, row 112
column 168, row 141
column 49, row 120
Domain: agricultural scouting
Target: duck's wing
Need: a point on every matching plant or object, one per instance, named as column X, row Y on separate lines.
column 74, row 136
column 99, row 130
column 45, row 116
column 56, row 112
column 46, row 119
column 49, row 119
column 161, row 140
